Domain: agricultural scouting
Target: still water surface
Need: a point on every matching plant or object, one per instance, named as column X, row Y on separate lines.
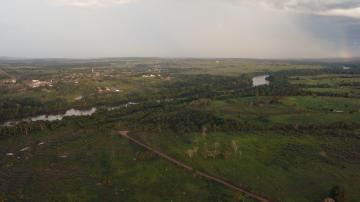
column 260, row 80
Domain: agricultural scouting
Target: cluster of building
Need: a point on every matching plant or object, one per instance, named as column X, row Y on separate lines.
column 38, row 83
column 106, row 90
column 149, row 75
column 9, row 81
column 166, row 78
column 29, row 83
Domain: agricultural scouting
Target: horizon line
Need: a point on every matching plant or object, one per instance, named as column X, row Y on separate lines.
column 175, row 57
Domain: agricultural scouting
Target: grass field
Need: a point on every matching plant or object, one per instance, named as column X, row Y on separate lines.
column 339, row 84
column 284, row 167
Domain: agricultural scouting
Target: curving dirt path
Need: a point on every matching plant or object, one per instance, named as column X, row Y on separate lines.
column 199, row 173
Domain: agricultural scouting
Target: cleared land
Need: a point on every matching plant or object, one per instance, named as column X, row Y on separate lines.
column 199, row 173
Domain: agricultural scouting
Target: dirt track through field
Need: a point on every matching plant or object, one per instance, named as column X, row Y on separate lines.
column 199, row 173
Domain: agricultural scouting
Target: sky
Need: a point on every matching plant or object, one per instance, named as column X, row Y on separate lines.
column 180, row 28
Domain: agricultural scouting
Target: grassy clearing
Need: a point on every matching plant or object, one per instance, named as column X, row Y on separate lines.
column 299, row 109
column 98, row 165
column 338, row 84
column 286, row 168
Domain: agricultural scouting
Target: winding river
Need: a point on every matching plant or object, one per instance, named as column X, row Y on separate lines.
column 68, row 113
column 257, row 81
column 58, row 117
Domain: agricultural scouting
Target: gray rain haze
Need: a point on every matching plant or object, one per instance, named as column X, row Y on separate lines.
column 180, row 28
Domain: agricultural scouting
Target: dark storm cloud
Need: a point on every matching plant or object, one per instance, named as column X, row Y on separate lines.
column 311, row 4
column 348, row 8
column 316, row 5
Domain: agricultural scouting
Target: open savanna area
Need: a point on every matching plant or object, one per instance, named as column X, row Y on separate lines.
column 293, row 138
column 346, row 85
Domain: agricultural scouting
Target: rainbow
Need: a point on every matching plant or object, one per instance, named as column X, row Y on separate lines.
column 346, row 52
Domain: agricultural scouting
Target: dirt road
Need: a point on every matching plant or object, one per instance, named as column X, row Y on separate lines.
column 199, row 173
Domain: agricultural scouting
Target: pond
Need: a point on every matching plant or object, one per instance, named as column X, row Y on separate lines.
column 260, row 80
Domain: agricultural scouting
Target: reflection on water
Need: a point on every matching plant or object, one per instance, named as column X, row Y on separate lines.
column 121, row 106
column 74, row 112
column 260, row 80
column 70, row 112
